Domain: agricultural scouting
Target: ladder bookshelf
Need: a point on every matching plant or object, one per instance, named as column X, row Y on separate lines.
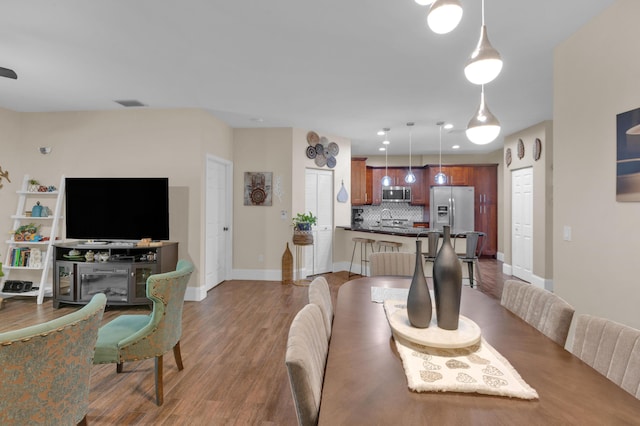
column 34, row 254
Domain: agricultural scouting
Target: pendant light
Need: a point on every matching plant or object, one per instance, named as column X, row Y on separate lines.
column 424, row 2
column 386, row 180
column 484, row 127
column 440, row 177
column 444, row 16
column 410, row 177
column 485, row 62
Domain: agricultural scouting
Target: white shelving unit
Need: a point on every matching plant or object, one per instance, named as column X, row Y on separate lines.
column 52, row 223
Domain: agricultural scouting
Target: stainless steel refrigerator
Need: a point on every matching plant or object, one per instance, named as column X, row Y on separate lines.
column 453, row 206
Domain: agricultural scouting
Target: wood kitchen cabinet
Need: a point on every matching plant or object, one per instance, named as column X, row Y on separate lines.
column 485, row 181
column 358, row 181
column 456, row 175
column 420, row 188
column 397, row 175
column 376, row 185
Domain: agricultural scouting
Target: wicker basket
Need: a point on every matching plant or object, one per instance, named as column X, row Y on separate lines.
column 302, row 238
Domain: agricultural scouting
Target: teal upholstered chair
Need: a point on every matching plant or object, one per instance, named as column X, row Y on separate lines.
column 45, row 369
column 137, row 337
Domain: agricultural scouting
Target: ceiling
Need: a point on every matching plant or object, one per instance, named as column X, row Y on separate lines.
column 340, row 67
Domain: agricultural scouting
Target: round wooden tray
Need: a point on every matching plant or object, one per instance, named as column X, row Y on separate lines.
column 467, row 334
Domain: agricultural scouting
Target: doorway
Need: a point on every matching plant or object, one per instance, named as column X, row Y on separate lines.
column 319, row 201
column 218, row 220
column 522, row 223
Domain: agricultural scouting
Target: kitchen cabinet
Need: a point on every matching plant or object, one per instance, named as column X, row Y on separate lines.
column 456, row 175
column 419, row 189
column 485, row 181
column 358, row 181
column 376, row 185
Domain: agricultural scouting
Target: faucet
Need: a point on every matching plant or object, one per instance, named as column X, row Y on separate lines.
column 382, row 211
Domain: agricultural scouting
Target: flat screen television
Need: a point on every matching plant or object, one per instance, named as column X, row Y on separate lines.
column 117, row 209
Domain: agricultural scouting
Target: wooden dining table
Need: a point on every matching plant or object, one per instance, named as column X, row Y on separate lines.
column 365, row 383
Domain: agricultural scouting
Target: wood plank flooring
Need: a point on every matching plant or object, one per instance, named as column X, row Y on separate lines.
column 233, row 348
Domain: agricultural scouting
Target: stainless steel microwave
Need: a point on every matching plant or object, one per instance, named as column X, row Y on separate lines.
column 397, row 194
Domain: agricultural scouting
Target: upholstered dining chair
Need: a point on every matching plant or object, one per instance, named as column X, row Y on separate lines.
column 392, row 263
column 611, row 348
column 320, row 295
column 546, row 311
column 46, row 368
column 307, row 347
column 137, row 337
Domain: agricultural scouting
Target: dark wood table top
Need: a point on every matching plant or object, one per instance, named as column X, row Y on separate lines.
column 365, row 382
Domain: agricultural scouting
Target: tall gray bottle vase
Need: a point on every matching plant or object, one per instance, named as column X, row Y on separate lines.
column 419, row 308
column 447, row 284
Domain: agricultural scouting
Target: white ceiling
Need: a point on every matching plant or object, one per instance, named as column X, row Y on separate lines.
column 339, row 67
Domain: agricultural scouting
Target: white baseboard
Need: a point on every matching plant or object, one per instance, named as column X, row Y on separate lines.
column 544, row 283
column 506, row 269
column 500, row 256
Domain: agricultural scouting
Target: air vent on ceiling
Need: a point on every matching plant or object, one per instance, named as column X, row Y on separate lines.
column 130, row 103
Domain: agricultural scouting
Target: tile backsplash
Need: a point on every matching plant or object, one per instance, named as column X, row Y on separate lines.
column 371, row 214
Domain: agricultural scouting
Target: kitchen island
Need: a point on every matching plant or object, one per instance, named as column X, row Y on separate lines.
column 343, row 245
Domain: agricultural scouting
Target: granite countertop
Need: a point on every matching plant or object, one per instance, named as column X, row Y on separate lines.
column 388, row 230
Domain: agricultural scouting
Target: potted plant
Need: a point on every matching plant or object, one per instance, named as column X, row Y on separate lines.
column 304, row 221
column 33, row 185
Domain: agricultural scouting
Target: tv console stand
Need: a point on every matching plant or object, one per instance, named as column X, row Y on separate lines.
column 119, row 270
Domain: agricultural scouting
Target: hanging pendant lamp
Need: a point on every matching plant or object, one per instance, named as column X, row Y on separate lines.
column 444, row 16
column 440, row 178
column 484, row 127
column 485, row 62
column 386, row 179
column 410, row 177
column 424, row 2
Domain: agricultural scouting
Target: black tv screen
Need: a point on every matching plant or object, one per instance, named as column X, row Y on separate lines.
column 117, row 208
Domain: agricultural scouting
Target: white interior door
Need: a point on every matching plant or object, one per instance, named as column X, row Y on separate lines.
column 319, row 201
column 522, row 223
column 217, row 221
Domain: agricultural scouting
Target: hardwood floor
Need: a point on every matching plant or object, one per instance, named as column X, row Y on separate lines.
column 233, row 346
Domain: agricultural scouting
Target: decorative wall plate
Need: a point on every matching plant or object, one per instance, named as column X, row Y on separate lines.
column 321, row 161
column 520, row 149
column 507, row 157
column 537, row 149
column 334, row 149
column 331, row 161
column 311, row 152
column 313, row 138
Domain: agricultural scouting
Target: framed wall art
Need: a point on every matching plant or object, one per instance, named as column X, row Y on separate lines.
column 258, row 188
column 628, row 156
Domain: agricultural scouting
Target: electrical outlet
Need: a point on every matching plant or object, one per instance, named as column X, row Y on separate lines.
column 283, row 214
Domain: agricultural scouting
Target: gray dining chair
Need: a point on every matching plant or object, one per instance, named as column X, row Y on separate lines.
column 471, row 254
column 544, row 310
column 320, row 295
column 611, row 348
column 392, row 263
column 306, row 357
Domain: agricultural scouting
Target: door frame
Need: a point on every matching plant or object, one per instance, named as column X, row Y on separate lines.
column 517, row 270
column 210, row 162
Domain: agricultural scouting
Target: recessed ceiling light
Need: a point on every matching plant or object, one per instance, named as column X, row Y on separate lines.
column 382, row 148
column 380, row 132
column 448, row 126
column 386, row 142
column 455, row 147
column 257, row 119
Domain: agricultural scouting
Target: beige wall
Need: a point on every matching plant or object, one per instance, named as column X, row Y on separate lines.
column 136, row 142
column 596, row 77
column 260, row 232
column 542, row 199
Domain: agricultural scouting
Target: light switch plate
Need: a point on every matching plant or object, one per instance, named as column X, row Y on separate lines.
column 566, row 233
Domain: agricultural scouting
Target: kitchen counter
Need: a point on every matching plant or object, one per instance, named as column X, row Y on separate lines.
column 405, row 231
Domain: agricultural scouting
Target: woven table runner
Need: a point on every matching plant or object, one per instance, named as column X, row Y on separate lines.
column 474, row 369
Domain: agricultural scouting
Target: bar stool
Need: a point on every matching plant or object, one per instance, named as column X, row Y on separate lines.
column 363, row 254
column 391, row 244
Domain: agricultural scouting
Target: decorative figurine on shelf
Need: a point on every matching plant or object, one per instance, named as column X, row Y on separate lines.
column 90, row 256
column 36, row 211
column 33, row 185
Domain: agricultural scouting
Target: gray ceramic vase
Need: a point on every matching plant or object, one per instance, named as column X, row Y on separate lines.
column 419, row 300
column 447, row 284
